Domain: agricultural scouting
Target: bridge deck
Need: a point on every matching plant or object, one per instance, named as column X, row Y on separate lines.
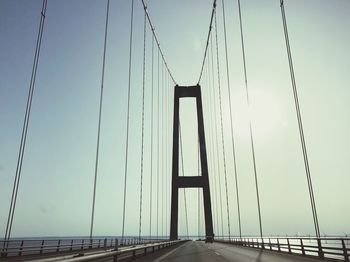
column 199, row 251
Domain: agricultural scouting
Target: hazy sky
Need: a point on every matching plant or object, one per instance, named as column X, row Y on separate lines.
column 57, row 179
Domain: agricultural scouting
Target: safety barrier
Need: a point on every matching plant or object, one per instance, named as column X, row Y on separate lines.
column 331, row 248
column 118, row 254
column 27, row 247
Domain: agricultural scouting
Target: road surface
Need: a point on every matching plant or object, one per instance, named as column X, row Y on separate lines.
column 199, row 251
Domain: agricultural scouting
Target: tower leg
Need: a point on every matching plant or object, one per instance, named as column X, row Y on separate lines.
column 192, row 182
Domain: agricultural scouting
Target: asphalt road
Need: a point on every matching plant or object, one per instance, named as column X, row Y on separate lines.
column 199, row 251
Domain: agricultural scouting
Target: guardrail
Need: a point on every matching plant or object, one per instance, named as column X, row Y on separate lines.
column 330, row 248
column 28, row 247
column 133, row 251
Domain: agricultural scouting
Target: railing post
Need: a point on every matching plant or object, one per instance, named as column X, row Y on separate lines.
column 99, row 243
column 262, row 243
column 4, row 249
column 320, row 251
column 302, row 247
column 82, row 244
column 270, row 244
column 20, row 249
column 278, row 245
column 90, row 243
column 289, row 249
column 58, row 245
column 3, row 253
column 71, row 245
column 42, row 246
column 346, row 256
column 116, row 244
column 105, row 243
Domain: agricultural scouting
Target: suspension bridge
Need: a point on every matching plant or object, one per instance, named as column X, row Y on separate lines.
column 179, row 143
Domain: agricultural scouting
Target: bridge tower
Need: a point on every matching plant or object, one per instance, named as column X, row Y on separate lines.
column 190, row 181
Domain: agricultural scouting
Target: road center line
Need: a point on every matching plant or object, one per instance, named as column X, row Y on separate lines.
column 167, row 254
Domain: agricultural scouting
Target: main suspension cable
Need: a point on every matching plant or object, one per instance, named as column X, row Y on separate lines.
column 143, row 119
column 99, row 123
column 231, row 121
column 157, row 41
column 208, row 37
column 222, row 127
column 25, row 125
column 250, row 120
column 300, row 123
column 128, row 117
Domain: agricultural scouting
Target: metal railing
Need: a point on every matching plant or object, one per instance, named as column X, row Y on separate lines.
column 26, row 247
column 132, row 251
column 328, row 247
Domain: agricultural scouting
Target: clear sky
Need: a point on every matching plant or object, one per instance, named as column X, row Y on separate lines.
column 57, row 179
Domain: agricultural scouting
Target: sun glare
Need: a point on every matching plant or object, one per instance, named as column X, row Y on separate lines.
column 264, row 111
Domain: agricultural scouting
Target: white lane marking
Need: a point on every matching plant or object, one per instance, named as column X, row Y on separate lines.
column 167, row 254
column 217, row 253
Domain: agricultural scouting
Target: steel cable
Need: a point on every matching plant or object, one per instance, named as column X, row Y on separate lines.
column 157, row 41
column 128, row 118
column 216, row 139
column 158, row 148
column 143, row 120
column 231, row 121
column 99, row 122
column 222, row 126
column 300, row 123
column 208, row 37
column 183, row 173
column 211, row 153
column 25, row 125
column 151, row 166
column 162, row 148
column 250, row 120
